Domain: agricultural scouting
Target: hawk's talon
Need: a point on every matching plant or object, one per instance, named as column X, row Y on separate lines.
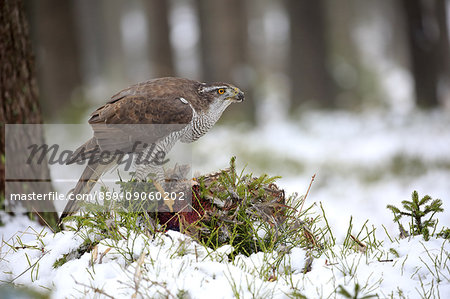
column 167, row 201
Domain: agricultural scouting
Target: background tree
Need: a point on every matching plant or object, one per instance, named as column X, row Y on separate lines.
column 19, row 97
column 161, row 52
column 429, row 51
column 56, row 44
column 309, row 62
column 224, row 46
column 109, row 40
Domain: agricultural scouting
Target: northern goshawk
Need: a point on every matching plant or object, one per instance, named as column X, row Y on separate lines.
column 181, row 109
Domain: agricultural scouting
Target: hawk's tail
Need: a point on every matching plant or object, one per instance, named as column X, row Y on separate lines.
column 87, row 181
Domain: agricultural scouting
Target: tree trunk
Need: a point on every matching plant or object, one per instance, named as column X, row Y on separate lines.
column 114, row 60
column 161, row 52
column 425, row 36
column 202, row 8
column 224, row 47
column 223, row 37
column 58, row 55
column 312, row 83
column 19, row 105
column 443, row 52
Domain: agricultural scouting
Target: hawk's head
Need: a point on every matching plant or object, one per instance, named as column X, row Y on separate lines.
column 221, row 92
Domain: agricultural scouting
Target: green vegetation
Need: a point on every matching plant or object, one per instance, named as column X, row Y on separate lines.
column 418, row 225
column 356, row 293
column 249, row 213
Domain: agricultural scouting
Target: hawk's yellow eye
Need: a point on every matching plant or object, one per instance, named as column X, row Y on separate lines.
column 221, row 91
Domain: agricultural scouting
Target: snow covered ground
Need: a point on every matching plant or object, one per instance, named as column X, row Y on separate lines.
column 362, row 163
column 171, row 265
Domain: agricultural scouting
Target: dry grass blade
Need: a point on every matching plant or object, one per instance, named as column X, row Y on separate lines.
column 103, row 254
column 138, row 274
column 307, row 191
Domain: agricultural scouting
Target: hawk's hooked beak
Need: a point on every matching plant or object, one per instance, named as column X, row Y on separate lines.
column 238, row 95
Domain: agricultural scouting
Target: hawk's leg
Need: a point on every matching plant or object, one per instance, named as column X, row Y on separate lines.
column 144, row 170
column 142, row 173
column 149, row 161
column 152, row 164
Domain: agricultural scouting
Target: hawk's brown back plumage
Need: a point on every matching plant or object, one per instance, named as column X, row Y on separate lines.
column 124, row 115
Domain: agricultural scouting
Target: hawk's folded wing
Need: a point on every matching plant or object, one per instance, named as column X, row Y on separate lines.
column 132, row 123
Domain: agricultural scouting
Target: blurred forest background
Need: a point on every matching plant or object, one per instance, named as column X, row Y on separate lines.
column 287, row 55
